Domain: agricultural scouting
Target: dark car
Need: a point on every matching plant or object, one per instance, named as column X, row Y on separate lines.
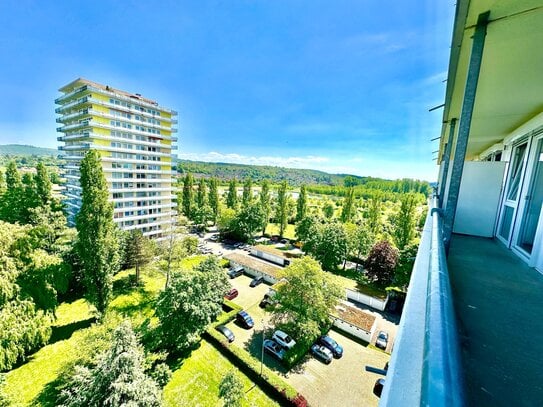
column 226, row 332
column 235, row 272
column 233, row 293
column 274, row 349
column 378, row 387
column 336, row 348
column 256, row 281
column 245, row 319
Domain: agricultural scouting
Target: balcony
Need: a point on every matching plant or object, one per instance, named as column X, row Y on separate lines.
column 477, row 341
column 499, row 303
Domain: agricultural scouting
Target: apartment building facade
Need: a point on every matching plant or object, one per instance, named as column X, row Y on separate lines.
column 135, row 137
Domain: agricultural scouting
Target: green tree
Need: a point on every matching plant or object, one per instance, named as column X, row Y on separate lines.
column 30, row 197
column 139, row 251
column 11, row 204
column 43, row 183
column 214, row 199
column 329, row 245
column 282, row 211
column 201, row 193
column 328, row 210
column 13, row 178
column 374, row 213
column 232, row 196
column 97, row 244
column 117, row 379
column 348, row 206
column 306, row 299
column 225, row 221
column 247, row 221
column 188, row 198
column 247, row 196
column 307, row 228
column 231, row 390
column 381, row 263
column 190, row 303
column 301, row 204
column 404, row 221
column 265, row 204
column 406, row 260
column 2, row 183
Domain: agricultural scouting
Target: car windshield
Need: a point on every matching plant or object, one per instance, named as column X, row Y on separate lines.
column 287, row 339
column 382, row 335
column 330, row 341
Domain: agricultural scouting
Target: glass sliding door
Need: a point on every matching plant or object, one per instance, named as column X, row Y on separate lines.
column 533, row 200
column 512, row 192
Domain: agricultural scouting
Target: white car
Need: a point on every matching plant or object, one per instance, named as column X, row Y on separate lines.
column 283, row 339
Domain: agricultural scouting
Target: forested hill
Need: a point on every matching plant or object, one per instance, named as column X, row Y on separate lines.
column 320, row 182
column 21, row 150
column 226, row 171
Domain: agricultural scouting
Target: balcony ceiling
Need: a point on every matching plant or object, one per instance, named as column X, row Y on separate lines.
column 510, row 88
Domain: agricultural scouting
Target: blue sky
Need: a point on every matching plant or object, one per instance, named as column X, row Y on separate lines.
column 340, row 86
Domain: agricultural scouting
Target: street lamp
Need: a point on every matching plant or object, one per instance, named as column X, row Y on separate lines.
column 262, row 356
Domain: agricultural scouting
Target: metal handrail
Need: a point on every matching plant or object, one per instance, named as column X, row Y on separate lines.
column 425, row 367
column 442, row 381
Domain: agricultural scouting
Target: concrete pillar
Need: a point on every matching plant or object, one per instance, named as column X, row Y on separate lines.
column 465, row 124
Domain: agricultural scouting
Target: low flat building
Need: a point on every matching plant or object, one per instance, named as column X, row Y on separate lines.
column 255, row 267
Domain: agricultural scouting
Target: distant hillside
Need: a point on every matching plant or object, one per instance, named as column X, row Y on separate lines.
column 294, row 176
column 21, row 150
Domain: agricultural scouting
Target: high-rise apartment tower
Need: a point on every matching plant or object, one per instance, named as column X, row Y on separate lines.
column 134, row 136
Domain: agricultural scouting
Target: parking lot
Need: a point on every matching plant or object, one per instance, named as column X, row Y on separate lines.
column 343, row 382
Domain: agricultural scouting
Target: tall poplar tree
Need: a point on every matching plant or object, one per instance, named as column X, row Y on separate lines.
column 348, row 206
column 301, row 204
column 247, row 192
column 188, row 195
column 2, row 183
column 43, row 183
column 97, row 244
column 232, row 196
column 201, row 193
column 404, row 221
column 11, row 204
column 282, row 210
column 214, row 198
column 265, row 203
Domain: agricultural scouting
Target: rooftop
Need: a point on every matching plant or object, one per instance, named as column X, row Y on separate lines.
column 255, row 264
column 355, row 316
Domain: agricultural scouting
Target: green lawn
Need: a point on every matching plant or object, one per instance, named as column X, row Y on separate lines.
column 196, row 382
column 31, row 382
column 290, row 231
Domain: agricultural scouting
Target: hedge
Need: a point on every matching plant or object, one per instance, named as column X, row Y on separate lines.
column 269, row 381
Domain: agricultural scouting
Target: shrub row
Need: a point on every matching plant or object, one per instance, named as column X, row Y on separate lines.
column 269, row 381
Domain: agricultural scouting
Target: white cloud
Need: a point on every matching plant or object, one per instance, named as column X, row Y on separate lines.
column 292, row 162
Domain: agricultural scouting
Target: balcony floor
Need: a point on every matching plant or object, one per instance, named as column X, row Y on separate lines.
column 499, row 304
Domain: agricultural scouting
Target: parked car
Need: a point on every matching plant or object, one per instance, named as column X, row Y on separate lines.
column 322, row 352
column 382, row 340
column 378, row 387
column 245, row 319
column 256, row 281
column 335, row 348
column 283, row 339
column 235, row 272
column 233, row 293
column 214, row 238
column 274, row 349
column 284, row 241
column 226, row 332
column 267, row 300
